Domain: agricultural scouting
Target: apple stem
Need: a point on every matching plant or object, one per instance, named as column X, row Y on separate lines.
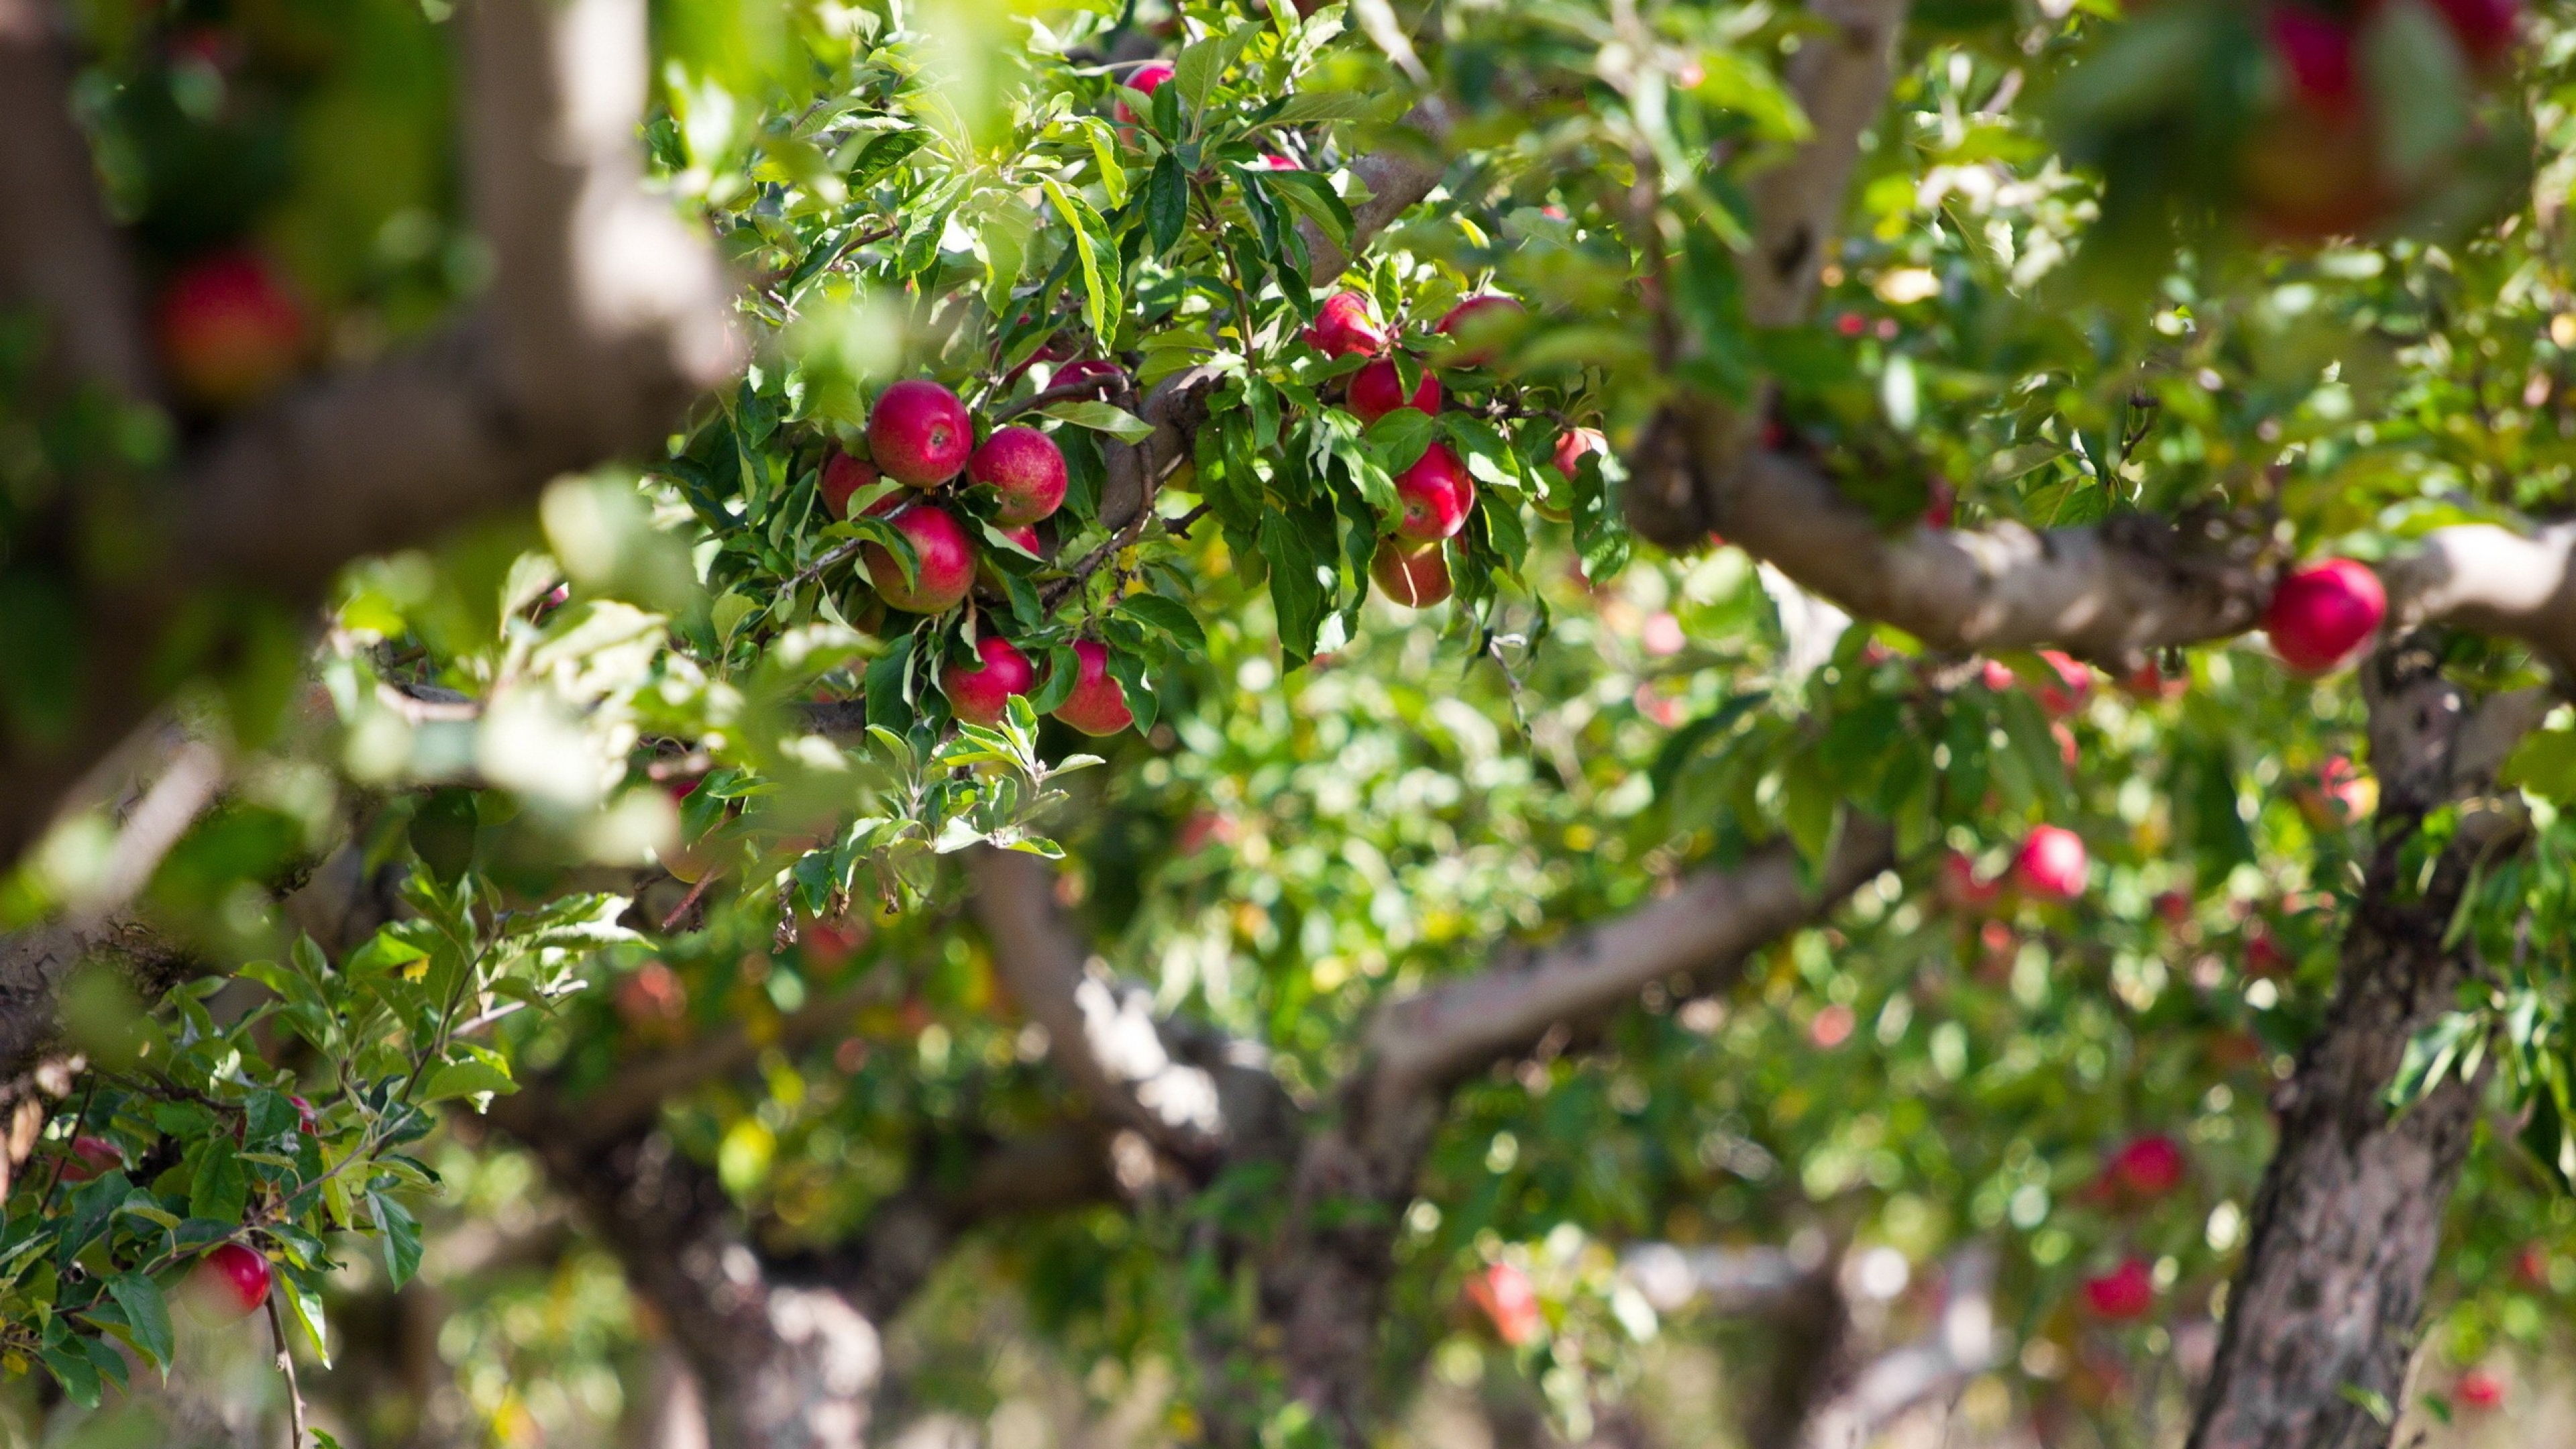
column 286, row 1366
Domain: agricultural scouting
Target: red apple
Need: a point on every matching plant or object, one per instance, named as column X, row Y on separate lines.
column 1414, row 575
column 1086, row 369
column 947, row 563
column 2074, row 684
column 90, row 1157
column 1942, row 503
column 1376, row 390
column 2321, row 613
column 829, row 945
column 1474, row 325
column 1098, row 704
column 1148, row 78
column 2123, row 1295
column 919, row 433
column 2531, row 1265
column 982, row 695
column 305, row 1120
column 2149, row 1167
column 2175, row 907
column 229, row 330
column 1346, row 325
column 1436, row 494
column 988, row 573
column 2480, row 1390
column 2310, row 171
column 2051, row 864
column 1273, row 161
column 1832, row 1026
column 1026, row 468
column 843, row 478
column 2264, row 956
column 1573, row 443
column 1503, row 1293
column 2484, row 28
column 236, row 1279
column 2315, row 51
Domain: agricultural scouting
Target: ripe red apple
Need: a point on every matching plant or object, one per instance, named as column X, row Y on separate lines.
column 1503, row 1293
column 2149, row 1167
column 947, row 563
column 1376, row 390
column 1346, row 325
column 1148, row 78
column 2051, row 863
column 1573, row 443
column 989, row 574
column 982, row 695
column 2264, row 956
column 229, row 330
column 2480, row 1390
column 1436, row 494
column 1098, row 704
column 2074, row 684
column 2484, row 28
column 2531, row 1265
column 236, row 1279
column 843, row 477
column 2341, row 795
column 2321, row 613
column 1272, row 160
column 1474, row 325
column 306, row 1121
column 90, row 1157
column 1942, row 503
column 1414, row 575
column 2175, row 907
column 2148, row 681
column 1832, row 1026
column 1026, row 468
column 919, row 433
column 2123, row 1295
column 2315, row 52
column 829, row 944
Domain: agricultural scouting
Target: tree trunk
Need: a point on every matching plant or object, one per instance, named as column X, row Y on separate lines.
column 2320, row 1321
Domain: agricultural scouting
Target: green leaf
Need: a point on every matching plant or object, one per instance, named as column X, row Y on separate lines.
column 1205, row 60
column 147, row 1317
column 221, row 1187
column 401, row 1237
column 1398, row 440
column 1312, row 197
column 1101, row 303
column 1307, row 108
column 1101, row 417
column 1297, row 561
column 1168, row 615
column 1167, row 203
column 72, row 1370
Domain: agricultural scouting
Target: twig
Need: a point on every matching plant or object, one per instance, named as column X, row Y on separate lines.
column 80, row 1120
column 1180, row 527
column 689, row 900
column 1089, row 382
column 286, row 1365
column 815, row 570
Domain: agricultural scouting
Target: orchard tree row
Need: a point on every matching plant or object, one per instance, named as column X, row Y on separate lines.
column 1353, row 699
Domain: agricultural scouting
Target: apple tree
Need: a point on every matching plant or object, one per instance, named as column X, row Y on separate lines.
column 1365, row 704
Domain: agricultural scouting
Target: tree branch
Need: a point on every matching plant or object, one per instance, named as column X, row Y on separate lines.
column 1840, row 79
column 607, row 315
column 1961, row 1345
column 58, row 252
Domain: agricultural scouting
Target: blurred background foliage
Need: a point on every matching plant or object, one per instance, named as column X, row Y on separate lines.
column 2058, row 297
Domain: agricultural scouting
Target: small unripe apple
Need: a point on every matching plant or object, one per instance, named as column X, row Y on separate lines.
column 982, row 695
column 1377, row 390
column 1026, row 468
column 2321, row 613
column 946, row 563
column 1473, row 326
column 843, row 477
column 1098, row 704
column 1148, row 79
column 1436, row 494
column 236, row 1279
column 1504, row 1295
column 1346, row 325
column 919, row 433
column 2051, row 863
column 2149, row 1167
column 90, row 1157
column 229, row 330
column 2123, row 1295
column 1415, row 575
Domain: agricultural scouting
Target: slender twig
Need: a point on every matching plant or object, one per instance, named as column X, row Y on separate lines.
column 286, row 1366
column 1180, row 527
column 1088, row 383
column 689, row 900
column 815, row 570
column 79, row 1121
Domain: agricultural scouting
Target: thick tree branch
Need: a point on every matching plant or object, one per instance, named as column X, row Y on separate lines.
column 58, row 252
column 1840, row 78
column 1704, row 929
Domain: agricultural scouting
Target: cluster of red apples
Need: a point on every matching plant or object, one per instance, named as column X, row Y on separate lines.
column 920, row 435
